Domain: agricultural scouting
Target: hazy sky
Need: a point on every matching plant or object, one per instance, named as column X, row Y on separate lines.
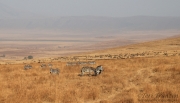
column 113, row 8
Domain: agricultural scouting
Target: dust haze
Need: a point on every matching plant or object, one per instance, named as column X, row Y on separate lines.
column 67, row 35
column 25, row 31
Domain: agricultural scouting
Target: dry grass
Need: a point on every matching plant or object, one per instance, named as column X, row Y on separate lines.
column 121, row 82
column 135, row 80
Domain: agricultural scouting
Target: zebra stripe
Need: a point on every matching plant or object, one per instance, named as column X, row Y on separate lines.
column 89, row 70
column 54, row 71
column 43, row 65
column 98, row 70
column 26, row 67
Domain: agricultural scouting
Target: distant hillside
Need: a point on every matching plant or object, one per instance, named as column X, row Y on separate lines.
column 30, row 25
column 169, row 44
column 89, row 23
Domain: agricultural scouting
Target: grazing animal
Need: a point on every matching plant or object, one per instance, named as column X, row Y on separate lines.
column 92, row 62
column 50, row 65
column 68, row 63
column 26, row 67
column 82, row 63
column 71, row 63
column 88, row 70
column 54, row 71
column 43, row 65
column 98, row 70
column 91, row 71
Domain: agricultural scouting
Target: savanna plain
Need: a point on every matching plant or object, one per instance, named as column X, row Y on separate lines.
column 150, row 74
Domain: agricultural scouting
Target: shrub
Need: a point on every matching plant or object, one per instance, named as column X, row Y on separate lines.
column 30, row 57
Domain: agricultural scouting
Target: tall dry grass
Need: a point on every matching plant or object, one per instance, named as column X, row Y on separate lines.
column 122, row 81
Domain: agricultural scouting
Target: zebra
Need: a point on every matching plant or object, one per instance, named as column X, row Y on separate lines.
column 26, row 67
column 43, row 65
column 71, row 63
column 82, row 63
column 92, row 62
column 98, row 70
column 68, row 64
column 54, row 71
column 88, row 70
column 50, row 65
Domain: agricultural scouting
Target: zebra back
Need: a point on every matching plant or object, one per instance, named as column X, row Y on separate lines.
column 50, row 65
column 26, row 67
column 88, row 70
column 43, row 65
column 92, row 62
column 54, row 71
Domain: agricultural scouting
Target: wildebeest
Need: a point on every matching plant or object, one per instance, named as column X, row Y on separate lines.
column 28, row 66
column 54, row 71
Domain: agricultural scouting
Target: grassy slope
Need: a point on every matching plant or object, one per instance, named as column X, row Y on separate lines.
column 123, row 81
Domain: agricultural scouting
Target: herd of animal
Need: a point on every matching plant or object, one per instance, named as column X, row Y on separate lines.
column 80, row 63
column 119, row 56
column 84, row 70
column 83, row 60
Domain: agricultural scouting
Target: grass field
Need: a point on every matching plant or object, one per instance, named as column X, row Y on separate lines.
column 132, row 80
